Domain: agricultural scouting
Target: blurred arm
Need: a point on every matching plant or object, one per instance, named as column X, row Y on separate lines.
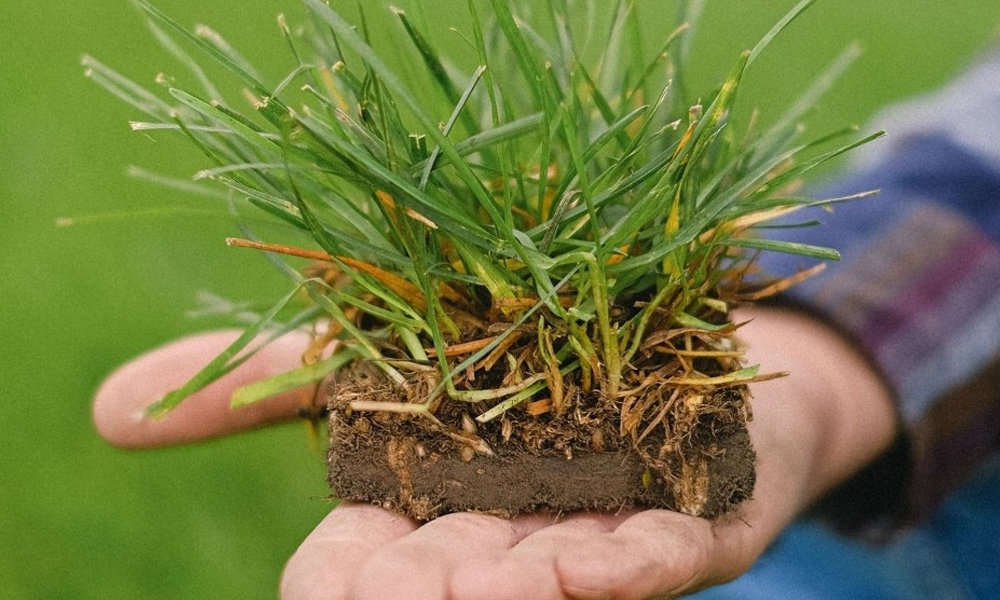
column 918, row 290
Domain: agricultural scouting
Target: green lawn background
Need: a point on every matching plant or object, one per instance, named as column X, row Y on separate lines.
column 81, row 520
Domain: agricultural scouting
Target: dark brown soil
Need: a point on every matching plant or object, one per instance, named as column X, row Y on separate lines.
column 576, row 461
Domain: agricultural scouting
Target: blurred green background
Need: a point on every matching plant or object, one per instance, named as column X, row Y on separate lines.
column 79, row 519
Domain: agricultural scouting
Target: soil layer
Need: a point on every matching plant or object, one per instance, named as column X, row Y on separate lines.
column 398, row 462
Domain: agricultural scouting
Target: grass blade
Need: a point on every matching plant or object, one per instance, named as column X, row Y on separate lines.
column 245, row 346
column 289, row 380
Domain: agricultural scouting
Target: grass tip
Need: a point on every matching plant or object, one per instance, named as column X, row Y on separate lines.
column 155, row 411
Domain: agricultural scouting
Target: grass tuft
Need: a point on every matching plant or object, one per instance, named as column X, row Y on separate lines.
column 508, row 235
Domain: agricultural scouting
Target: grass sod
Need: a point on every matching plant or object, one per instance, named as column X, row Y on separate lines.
column 518, row 244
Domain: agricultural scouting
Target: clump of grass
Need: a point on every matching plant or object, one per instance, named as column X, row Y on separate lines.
column 514, row 237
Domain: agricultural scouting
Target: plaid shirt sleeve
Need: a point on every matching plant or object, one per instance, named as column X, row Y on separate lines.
column 918, row 289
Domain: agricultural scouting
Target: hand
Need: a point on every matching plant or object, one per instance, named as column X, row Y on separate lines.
column 811, row 429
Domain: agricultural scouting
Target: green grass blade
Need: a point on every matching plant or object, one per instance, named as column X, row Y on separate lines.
column 124, row 88
column 215, row 39
column 184, row 58
column 778, row 27
column 180, row 184
column 255, row 85
column 379, row 176
column 459, row 106
column 525, row 60
column 253, row 338
column 490, row 138
column 388, row 76
column 683, row 318
column 289, row 380
column 431, row 59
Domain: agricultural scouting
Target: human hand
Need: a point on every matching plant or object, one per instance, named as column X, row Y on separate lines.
column 811, row 429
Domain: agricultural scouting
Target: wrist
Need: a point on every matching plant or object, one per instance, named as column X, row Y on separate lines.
column 826, row 419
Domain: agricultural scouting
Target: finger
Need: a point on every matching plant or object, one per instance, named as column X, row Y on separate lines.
column 421, row 565
column 599, row 556
column 529, row 568
column 655, row 553
column 120, row 402
column 328, row 561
